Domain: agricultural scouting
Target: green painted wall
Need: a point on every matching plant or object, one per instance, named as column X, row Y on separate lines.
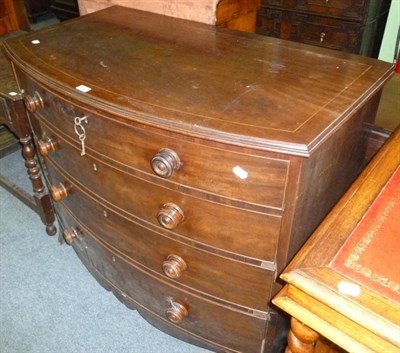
column 390, row 43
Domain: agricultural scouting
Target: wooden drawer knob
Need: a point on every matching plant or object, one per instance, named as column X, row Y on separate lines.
column 46, row 146
column 70, row 235
column 33, row 102
column 58, row 192
column 173, row 266
column 165, row 162
column 170, row 215
column 176, row 313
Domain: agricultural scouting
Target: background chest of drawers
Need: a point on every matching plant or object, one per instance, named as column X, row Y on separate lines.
column 188, row 163
column 354, row 26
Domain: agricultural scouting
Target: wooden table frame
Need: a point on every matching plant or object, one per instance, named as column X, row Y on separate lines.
column 367, row 322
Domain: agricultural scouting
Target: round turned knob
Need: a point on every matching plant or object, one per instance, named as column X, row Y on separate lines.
column 165, row 162
column 58, row 192
column 173, row 266
column 32, row 103
column 46, row 146
column 170, row 215
column 176, row 313
column 70, row 235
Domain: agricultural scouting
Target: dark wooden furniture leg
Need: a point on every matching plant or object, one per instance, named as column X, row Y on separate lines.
column 40, row 195
column 20, row 125
column 13, row 114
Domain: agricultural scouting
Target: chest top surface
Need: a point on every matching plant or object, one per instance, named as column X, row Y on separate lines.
column 208, row 82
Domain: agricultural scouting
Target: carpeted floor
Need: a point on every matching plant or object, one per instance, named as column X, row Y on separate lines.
column 49, row 303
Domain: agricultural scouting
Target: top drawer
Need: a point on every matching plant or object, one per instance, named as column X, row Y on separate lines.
column 238, row 176
column 349, row 9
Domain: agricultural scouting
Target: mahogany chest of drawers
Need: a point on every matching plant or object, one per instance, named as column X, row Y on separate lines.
column 189, row 163
column 354, row 26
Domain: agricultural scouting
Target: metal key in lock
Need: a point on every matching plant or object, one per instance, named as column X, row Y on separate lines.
column 80, row 132
column 82, row 139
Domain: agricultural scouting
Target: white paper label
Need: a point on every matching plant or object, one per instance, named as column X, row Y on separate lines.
column 348, row 288
column 240, row 172
column 83, row 88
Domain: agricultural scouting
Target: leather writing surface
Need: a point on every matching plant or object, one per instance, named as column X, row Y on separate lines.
column 371, row 255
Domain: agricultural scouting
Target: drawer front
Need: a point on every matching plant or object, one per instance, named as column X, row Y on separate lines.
column 348, row 9
column 231, row 229
column 248, row 178
column 315, row 30
column 180, row 263
column 330, row 33
column 233, row 329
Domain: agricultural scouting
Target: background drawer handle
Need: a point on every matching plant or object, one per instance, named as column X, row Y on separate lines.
column 173, row 266
column 176, row 313
column 47, row 146
column 32, row 103
column 58, row 192
column 70, row 235
column 170, row 215
column 165, row 162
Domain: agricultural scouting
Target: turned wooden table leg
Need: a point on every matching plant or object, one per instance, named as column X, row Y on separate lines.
column 41, row 197
column 301, row 339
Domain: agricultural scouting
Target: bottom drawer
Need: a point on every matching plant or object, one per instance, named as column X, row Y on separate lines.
column 190, row 314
